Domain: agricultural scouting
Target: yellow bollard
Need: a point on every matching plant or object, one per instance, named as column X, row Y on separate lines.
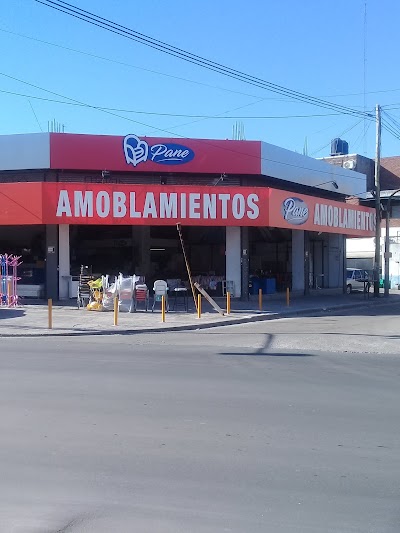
column 115, row 311
column 260, row 299
column 288, row 296
column 162, row 308
column 228, row 303
column 199, row 305
column 50, row 313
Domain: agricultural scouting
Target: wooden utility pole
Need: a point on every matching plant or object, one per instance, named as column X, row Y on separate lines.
column 377, row 203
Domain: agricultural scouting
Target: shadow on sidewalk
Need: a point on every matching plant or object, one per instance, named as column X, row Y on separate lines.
column 11, row 313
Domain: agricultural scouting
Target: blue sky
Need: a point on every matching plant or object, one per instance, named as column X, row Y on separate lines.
column 316, row 47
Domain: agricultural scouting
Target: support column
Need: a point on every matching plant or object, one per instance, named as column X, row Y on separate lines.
column 245, row 259
column 307, row 262
column 63, row 262
column 298, row 261
column 52, row 261
column 233, row 258
column 335, row 254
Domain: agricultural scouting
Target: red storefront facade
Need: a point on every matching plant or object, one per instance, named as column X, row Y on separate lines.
column 61, row 182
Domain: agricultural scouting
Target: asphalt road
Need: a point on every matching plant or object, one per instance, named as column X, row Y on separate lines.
column 254, row 428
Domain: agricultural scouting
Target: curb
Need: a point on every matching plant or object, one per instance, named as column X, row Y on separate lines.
column 261, row 317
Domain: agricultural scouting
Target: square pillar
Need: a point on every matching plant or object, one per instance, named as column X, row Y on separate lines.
column 298, row 261
column 52, row 261
column 233, row 258
column 64, row 266
column 245, row 261
column 335, row 258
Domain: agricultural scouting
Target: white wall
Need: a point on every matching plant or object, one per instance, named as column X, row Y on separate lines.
column 63, row 261
column 233, row 258
column 365, row 248
column 25, row 151
column 298, row 260
column 289, row 166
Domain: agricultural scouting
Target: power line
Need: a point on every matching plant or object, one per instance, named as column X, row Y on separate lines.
column 392, row 120
column 388, row 127
column 180, row 78
column 182, row 115
column 204, row 142
column 362, row 136
column 189, row 57
column 129, row 65
column 33, row 111
column 340, row 135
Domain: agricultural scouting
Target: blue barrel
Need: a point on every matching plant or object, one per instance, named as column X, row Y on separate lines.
column 269, row 285
column 255, row 285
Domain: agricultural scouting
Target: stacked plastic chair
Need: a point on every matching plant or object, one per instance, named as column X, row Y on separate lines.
column 8, row 279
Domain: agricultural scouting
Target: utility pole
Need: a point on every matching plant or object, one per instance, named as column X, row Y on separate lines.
column 377, row 203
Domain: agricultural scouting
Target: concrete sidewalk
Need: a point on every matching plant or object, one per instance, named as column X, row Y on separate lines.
column 31, row 320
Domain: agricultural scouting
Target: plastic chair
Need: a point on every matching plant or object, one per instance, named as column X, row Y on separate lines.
column 141, row 294
column 160, row 289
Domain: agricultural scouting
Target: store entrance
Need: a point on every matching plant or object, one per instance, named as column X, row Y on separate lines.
column 270, row 259
column 153, row 252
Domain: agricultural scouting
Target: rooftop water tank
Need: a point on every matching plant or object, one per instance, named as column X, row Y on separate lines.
column 339, row 147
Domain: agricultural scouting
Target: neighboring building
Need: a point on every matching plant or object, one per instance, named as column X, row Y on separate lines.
column 390, row 169
column 361, row 252
column 246, row 208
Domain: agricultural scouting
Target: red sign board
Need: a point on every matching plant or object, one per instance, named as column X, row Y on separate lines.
column 297, row 211
column 21, row 204
column 154, row 205
column 80, row 203
column 151, row 154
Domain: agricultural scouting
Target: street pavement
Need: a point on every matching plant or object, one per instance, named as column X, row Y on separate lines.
column 246, row 428
column 32, row 319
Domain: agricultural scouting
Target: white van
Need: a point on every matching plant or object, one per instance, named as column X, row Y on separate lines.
column 357, row 279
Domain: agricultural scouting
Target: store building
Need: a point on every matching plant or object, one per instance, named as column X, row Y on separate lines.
column 246, row 208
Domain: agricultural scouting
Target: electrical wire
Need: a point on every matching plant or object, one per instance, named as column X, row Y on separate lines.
column 202, row 141
column 102, row 108
column 106, row 24
column 179, row 78
column 340, row 135
column 362, row 136
column 388, row 125
column 129, row 65
column 393, row 120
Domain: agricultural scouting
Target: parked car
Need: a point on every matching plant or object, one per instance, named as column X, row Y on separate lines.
column 357, row 279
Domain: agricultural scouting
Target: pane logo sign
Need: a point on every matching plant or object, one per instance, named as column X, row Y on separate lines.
column 137, row 151
column 295, row 211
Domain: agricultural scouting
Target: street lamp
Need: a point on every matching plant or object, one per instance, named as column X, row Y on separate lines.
column 387, row 243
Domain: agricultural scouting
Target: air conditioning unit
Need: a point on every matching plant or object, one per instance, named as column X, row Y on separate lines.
column 350, row 164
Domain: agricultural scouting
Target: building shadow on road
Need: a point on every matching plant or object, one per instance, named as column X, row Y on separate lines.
column 267, row 354
column 263, row 351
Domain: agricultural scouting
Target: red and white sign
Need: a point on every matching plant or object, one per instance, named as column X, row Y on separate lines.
column 297, row 211
column 155, row 205
column 80, row 203
column 153, row 154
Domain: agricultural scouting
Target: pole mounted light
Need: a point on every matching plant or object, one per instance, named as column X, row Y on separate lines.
column 387, row 242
